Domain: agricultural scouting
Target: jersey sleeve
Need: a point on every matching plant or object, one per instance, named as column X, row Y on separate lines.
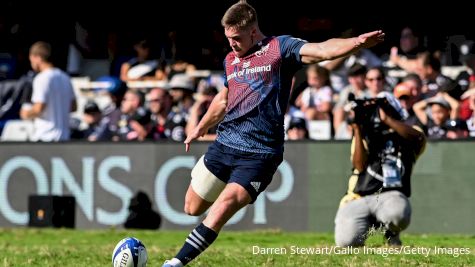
column 290, row 48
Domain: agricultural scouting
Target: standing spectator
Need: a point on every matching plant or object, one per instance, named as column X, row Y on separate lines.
column 52, row 99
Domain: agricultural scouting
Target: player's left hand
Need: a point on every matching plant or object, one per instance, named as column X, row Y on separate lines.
column 370, row 39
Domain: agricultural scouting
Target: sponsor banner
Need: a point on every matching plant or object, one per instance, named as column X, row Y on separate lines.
column 103, row 177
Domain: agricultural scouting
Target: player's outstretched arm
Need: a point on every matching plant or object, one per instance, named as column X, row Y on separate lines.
column 339, row 47
column 215, row 114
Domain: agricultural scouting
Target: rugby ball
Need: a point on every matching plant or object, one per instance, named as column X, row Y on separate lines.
column 129, row 252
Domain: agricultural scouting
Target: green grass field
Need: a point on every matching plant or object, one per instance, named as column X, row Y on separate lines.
column 61, row 247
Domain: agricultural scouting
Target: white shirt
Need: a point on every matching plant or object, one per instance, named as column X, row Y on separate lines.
column 53, row 88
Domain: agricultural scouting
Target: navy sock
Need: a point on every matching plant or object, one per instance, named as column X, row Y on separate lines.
column 197, row 241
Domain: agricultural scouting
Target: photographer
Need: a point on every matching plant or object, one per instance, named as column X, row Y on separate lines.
column 384, row 151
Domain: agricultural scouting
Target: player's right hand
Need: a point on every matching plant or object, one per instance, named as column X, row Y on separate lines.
column 195, row 134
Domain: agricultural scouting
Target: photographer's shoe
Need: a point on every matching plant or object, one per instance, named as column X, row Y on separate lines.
column 392, row 239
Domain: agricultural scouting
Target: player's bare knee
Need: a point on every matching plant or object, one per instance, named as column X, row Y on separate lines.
column 193, row 210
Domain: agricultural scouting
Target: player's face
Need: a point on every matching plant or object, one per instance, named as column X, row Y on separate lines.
column 240, row 40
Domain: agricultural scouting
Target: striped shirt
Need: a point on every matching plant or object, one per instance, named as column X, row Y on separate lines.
column 259, row 88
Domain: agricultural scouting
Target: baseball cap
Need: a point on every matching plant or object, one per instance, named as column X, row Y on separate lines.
column 439, row 101
column 467, row 51
column 297, row 122
column 181, row 81
column 401, row 89
column 91, row 107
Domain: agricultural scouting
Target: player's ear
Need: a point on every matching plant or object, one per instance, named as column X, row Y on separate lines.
column 253, row 31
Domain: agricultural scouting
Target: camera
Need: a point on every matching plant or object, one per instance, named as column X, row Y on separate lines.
column 366, row 112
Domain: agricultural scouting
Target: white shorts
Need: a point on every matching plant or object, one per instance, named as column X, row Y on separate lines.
column 205, row 183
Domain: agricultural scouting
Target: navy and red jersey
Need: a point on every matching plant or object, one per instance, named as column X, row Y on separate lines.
column 258, row 93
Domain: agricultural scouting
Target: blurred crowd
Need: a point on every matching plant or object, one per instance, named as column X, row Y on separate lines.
column 162, row 97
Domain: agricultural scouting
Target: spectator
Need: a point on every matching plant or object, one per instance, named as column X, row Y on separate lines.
column 466, row 78
column 203, row 100
column 142, row 67
column 442, row 108
column 53, row 97
column 339, row 67
column 375, row 81
column 429, row 70
column 298, row 129
column 165, row 122
column 181, row 90
column 409, row 47
column 316, row 100
column 356, row 77
column 470, row 96
column 408, row 93
column 134, row 122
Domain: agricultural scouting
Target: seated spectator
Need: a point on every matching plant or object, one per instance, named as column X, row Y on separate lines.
column 470, row 96
column 297, row 129
column 442, row 108
column 356, row 77
column 316, row 100
column 143, row 66
column 408, row 93
column 165, row 122
column 466, row 78
column 339, row 67
column 97, row 128
column 429, row 70
column 182, row 89
column 134, row 122
column 204, row 97
column 375, row 82
column 410, row 46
